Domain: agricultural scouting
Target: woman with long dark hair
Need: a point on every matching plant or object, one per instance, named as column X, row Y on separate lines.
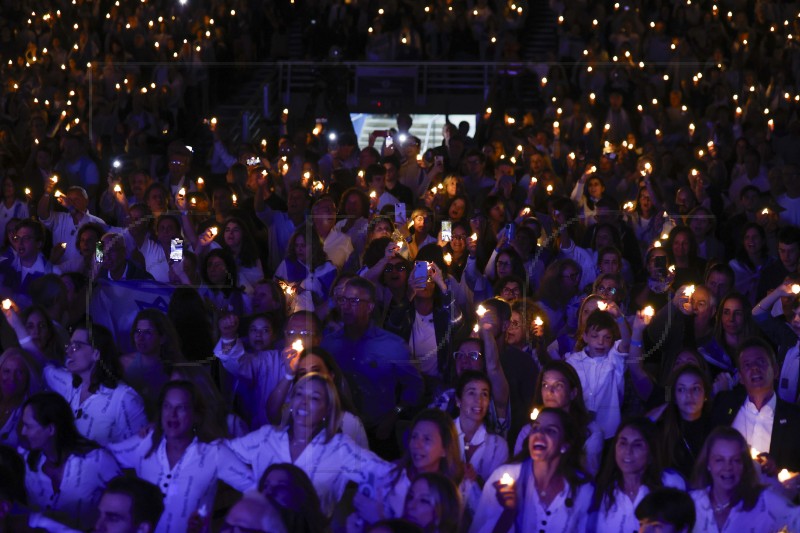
column 631, row 469
column 182, row 456
column 306, row 263
column 65, row 471
column 292, row 492
column 106, row 410
column 220, row 283
column 546, row 489
column 238, row 239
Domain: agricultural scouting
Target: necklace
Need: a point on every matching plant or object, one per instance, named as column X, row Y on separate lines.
column 718, row 508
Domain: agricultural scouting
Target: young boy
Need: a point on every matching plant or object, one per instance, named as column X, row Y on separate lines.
column 599, row 360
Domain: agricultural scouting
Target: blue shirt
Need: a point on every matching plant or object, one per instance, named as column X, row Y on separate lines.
column 379, row 371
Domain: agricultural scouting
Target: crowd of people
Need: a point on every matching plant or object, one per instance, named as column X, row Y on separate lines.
column 583, row 316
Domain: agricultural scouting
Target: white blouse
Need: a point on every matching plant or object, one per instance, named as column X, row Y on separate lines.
column 108, row 415
column 329, row 465
column 622, row 515
column 558, row 516
column 771, row 514
column 491, row 450
column 191, row 482
column 82, row 484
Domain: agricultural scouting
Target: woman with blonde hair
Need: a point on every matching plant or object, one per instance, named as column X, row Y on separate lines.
column 309, row 437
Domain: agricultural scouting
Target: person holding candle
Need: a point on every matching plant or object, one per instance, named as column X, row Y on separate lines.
column 260, row 368
column 765, row 420
column 728, row 496
column 784, row 330
column 315, row 359
column 631, row 470
column 599, row 359
column 306, row 264
column 528, row 329
column 559, row 387
column 547, row 490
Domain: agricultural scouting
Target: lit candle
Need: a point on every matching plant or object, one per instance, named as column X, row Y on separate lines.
column 533, row 181
column 506, row 479
column 117, row 188
column 526, row 211
column 433, row 190
column 476, row 328
column 657, row 244
column 534, row 414
column 765, row 211
column 289, row 290
column 213, row 121
column 785, row 475
column 54, row 178
column 63, row 245
column 201, row 183
column 373, row 195
column 628, row 206
column 473, row 237
column 602, row 306
column 448, row 259
column 538, row 322
column 27, row 191
column 7, row 304
column 193, row 201
column 297, row 346
column 795, row 289
column 648, row 311
column 671, row 269
column 480, row 311
column 182, row 191
column 58, row 194
column 549, row 189
column 688, row 291
column 214, row 230
column 233, row 198
column 754, row 453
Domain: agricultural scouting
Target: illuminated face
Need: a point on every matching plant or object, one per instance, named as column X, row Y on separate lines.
column 547, row 438
column 631, row 452
column 598, row 342
column 725, row 464
column 147, row 338
column 465, row 361
column 610, row 264
column 177, row 414
column 310, row 403
column 116, row 514
column 260, row 334
column 755, row 370
column 556, row 390
column 420, row 506
column 732, row 316
column 719, row 284
column 504, row 265
column 689, row 396
column 753, row 242
column 36, row 435
column 457, row 209
column 474, row 401
column 233, row 235
column 426, row 447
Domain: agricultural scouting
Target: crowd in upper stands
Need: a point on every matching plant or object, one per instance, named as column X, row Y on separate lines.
column 581, row 315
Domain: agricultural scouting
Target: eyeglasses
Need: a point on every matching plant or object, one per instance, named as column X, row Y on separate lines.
column 343, row 300
column 462, row 355
column 610, row 291
column 391, row 268
column 74, row 346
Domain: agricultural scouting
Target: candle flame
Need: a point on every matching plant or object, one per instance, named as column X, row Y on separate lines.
column 538, row 321
column 506, row 479
column 481, row 310
column 648, row 311
column 688, row 291
column 297, row 346
column 534, row 414
column 7, row 304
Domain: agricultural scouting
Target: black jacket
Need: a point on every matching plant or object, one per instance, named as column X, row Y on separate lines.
column 785, row 443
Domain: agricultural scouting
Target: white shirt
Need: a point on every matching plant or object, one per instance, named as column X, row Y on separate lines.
column 259, row 372
column 18, row 209
column 754, row 425
column 338, row 247
column 191, row 483
column 65, row 230
column 108, row 415
column 82, row 485
column 422, row 344
column 491, row 451
column 555, row 518
column 790, row 373
column 329, row 465
column 622, row 515
column 155, row 260
column 771, row 513
column 603, row 384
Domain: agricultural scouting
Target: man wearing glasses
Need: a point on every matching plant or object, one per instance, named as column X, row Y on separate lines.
column 383, row 379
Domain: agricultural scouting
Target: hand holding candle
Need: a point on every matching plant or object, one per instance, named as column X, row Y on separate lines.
column 297, row 346
column 506, row 479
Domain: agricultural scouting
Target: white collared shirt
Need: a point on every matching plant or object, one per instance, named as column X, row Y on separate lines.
column 622, row 515
column 772, row 512
column 329, row 465
column 754, row 425
column 107, row 415
column 491, row 450
column 188, row 485
column 603, row 384
column 82, row 484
